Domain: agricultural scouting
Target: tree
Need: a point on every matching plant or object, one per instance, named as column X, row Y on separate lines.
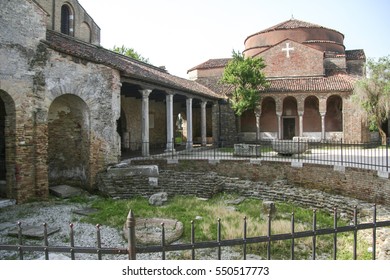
column 373, row 93
column 130, row 53
column 245, row 77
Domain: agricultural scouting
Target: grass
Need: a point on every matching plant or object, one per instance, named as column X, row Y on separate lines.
column 205, row 214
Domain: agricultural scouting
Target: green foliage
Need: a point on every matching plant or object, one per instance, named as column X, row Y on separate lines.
column 245, row 76
column 130, row 53
column 373, row 93
column 187, row 208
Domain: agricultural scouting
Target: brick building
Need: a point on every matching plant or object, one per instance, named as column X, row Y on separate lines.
column 68, row 107
column 311, row 80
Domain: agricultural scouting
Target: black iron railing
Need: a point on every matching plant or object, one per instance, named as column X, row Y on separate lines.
column 132, row 250
column 371, row 155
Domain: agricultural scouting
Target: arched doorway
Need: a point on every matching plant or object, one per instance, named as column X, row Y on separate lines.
column 69, row 142
column 7, row 145
column 268, row 118
column 312, row 117
column 334, row 114
column 290, row 113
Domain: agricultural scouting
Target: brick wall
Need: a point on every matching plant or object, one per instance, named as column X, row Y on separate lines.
column 355, row 183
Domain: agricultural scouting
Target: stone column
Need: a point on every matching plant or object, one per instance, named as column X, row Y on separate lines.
column 323, row 135
column 169, row 109
column 279, row 116
column 145, row 121
column 300, row 114
column 257, row 115
column 203, row 122
column 189, row 144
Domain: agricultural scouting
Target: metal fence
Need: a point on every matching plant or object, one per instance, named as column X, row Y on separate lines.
column 370, row 155
column 133, row 249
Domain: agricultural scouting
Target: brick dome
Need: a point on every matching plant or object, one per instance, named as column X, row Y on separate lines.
column 313, row 35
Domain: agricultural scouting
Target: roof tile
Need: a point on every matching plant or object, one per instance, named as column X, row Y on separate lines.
column 129, row 67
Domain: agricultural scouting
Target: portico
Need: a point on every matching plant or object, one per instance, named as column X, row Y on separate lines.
column 151, row 115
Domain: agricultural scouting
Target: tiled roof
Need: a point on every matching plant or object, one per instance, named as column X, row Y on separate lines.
column 212, row 63
column 340, row 82
column 291, row 24
column 355, row 55
column 129, row 67
column 336, row 83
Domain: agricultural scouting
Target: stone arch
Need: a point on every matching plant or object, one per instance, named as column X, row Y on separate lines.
column 289, row 117
column 311, row 115
column 334, row 114
column 69, row 141
column 67, row 19
column 7, row 145
column 268, row 118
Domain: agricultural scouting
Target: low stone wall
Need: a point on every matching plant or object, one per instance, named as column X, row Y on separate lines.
column 132, row 181
column 357, row 183
column 315, row 186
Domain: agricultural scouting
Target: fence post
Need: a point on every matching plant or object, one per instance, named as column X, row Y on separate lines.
column 374, row 234
column 341, row 149
column 387, row 155
column 219, row 238
column 20, row 239
column 314, row 234
column 355, row 223
column 45, row 241
column 292, row 236
column 130, row 224
column 335, row 234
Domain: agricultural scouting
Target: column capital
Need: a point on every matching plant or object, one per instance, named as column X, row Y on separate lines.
column 323, row 114
column 145, row 92
column 300, row 113
column 279, row 114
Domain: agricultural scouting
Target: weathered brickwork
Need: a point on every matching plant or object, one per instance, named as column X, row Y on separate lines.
column 38, row 87
column 83, row 26
column 360, row 184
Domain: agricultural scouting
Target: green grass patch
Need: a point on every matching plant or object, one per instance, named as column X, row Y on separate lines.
column 205, row 214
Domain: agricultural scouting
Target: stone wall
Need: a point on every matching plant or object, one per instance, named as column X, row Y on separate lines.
column 356, row 183
column 128, row 182
column 32, row 77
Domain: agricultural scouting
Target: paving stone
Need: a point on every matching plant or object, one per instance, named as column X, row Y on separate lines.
column 65, row 191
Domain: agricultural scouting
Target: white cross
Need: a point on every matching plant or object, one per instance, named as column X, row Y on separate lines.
column 287, row 49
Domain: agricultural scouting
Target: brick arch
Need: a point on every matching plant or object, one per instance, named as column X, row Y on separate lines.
column 268, row 118
column 69, row 141
column 334, row 113
column 311, row 115
column 7, row 145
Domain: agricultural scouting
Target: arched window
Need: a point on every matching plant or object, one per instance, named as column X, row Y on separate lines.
column 66, row 20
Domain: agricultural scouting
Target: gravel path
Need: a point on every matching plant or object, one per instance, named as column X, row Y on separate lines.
column 56, row 215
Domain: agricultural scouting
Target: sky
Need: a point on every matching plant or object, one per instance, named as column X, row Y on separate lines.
column 180, row 34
